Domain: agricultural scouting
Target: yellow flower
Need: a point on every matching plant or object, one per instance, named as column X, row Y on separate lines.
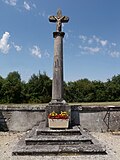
column 64, row 113
column 53, row 114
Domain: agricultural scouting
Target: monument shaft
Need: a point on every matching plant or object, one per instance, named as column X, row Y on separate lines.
column 57, row 83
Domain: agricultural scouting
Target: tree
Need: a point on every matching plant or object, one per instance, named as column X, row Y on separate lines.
column 11, row 89
column 86, row 89
column 79, row 91
column 113, row 88
column 99, row 91
column 39, row 88
column 1, row 84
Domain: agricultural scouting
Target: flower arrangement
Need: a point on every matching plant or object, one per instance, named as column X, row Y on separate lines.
column 54, row 115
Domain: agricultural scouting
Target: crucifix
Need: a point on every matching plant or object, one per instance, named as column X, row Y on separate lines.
column 59, row 19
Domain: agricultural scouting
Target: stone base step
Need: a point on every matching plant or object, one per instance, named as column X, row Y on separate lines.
column 59, row 132
column 58, row 149
column 57, row 140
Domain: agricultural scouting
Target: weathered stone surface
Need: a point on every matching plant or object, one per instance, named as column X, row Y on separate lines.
column 57, row 83
column 58, row 150
column 59, row 132
column 59, row 143
column 59, row 139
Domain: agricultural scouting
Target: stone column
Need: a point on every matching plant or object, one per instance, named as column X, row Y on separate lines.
column 57, row 83
column 57, row 103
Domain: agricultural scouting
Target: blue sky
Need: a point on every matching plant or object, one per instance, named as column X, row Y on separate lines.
column 91, row 42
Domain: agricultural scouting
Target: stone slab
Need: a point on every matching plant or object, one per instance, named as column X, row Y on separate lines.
column 42, row 139
column 23, row 149
column 65, row 132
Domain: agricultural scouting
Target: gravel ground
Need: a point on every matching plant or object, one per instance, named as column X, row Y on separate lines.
column 110, row 141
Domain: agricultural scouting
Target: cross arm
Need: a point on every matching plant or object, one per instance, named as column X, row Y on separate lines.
column 65, row 19
column 52, row 19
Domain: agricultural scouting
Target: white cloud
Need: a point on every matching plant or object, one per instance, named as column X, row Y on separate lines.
column 89, row 50
column 90, row 41
column 27, row 6
column 94, row 44
column 93, row 39
column 92, row 49
column 46, row 53
column 100, row 41
column 115, row 54
column 17, row 47
column 4, row 46
column 114, row 44
column 96, row 38
column 34, row 5
column 66, row 35
column 11, row 2
column 83, row 38
column 36, row 51
column 103, row 42
column 43, row 14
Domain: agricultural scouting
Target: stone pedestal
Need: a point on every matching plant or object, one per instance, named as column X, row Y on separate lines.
column 58, row 107
column 58, row 123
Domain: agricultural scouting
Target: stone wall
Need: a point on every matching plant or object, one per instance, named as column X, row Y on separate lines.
column 94, row 121
column 93, row 118
column 21, row 117
column 101, row 119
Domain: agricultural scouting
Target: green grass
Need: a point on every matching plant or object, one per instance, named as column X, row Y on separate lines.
column 97, row 104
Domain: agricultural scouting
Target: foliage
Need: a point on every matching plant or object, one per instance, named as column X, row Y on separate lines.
column 39, row 89
column 93, row 91
column 11, row 88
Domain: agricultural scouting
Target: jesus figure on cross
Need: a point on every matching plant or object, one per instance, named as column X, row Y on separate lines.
column 59, row 19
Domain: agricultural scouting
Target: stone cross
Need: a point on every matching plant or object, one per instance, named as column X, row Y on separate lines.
column 57, row 83
column 59, row 19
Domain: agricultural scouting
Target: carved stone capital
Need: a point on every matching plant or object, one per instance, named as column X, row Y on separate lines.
column 55, row 34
